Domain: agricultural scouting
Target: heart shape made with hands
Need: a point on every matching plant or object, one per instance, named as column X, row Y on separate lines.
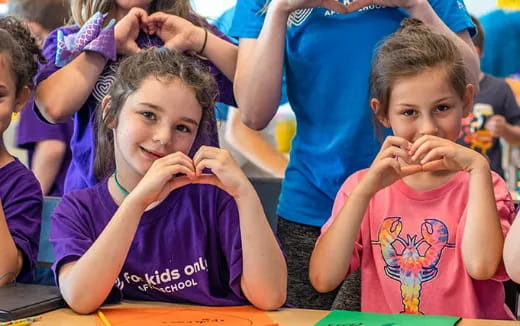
column 204, row 178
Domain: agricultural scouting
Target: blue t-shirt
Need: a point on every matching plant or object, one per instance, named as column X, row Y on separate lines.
column 327, row 63
column 501, row 42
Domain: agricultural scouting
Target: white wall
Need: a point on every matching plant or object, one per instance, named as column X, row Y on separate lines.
column 211, row 8
column 480, row 7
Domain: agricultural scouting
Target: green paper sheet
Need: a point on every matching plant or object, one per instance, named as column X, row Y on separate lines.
column 355, row 318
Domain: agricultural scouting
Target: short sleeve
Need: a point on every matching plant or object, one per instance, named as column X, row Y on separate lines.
column 506, row 210
column 69, row 232
column 22, row 207
column 32, row 130
column 454, row 14
column 248, row 19
column 230, row 240
column 341, row 197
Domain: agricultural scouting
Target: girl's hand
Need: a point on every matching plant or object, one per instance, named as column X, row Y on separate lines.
column 405, row 4
column 435, row 153
column 292, row 5
column 177, row 33
column 127, row 31
column 227, row 174
column 160, row 179
column 386, row 169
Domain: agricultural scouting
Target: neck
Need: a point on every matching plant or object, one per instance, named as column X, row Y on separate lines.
column 5, row 157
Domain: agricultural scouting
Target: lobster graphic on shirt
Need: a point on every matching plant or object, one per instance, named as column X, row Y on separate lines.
column 409, row 267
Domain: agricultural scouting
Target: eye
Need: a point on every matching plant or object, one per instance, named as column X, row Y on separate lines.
column 442, row 108
column 149, row 115
column 183, row 128
column 409, row 113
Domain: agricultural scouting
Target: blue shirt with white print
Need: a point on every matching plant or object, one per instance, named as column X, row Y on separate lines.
column 327, row 63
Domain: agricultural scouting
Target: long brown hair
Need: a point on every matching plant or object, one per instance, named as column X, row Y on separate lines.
column 413, row 49
column 165, row 65
column 82, row 10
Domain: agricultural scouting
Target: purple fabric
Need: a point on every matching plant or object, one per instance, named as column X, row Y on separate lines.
column 32, row 130
column 91, row 37
column 186, row 249
column 22, row 204
column 81, row 170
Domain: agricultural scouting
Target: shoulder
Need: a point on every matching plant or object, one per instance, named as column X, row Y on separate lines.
column 87, row 199
column 352, row 181
column 18, row 178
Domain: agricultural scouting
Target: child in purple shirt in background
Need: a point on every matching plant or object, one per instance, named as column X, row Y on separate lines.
column 82, row 60
column 47, row 145
column 157, row 227
column 20, row 194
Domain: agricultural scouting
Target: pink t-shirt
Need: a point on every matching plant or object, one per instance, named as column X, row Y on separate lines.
column 409, row 250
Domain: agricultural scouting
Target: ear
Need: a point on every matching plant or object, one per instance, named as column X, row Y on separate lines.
column 469, row 95
column 377, row 108
column 106, row 105
column 21, row 98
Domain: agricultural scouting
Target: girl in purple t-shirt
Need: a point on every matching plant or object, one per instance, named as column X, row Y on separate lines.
column 157, row 227
column 82, row 59
column 20, row 194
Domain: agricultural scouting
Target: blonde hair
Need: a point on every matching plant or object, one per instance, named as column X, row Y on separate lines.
column 82, row 10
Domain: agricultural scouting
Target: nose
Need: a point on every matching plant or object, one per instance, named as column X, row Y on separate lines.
column 428, row 126
column 163, row 135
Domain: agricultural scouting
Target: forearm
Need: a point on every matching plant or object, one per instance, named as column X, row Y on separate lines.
column 12, row 259
column 482, row 226
column 512, row 251
column 46, row 163
column 264, row 276
column 106, row 256
column 64, row 92
column 222, row 54
column 258, row 78
column 424, row 12
column 512, row 134
column 253, row 146
column 331, row 257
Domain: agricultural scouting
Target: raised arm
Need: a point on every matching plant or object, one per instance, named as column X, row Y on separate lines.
column 253, row 146
column 46, row 163
column 64, row 92
column 422, row 10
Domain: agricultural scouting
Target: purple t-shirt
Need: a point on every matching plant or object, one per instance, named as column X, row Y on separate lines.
column 186, row 249
column 32, row 130
column 22, row 204
column 81, row 171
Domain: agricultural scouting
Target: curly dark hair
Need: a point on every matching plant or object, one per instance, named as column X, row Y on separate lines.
column 16, row 41
column 165, row 65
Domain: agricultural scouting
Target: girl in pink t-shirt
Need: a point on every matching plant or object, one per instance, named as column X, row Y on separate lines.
column 426, row 222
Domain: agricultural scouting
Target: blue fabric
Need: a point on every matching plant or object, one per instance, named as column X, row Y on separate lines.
column 327, row 61
column 501, row 42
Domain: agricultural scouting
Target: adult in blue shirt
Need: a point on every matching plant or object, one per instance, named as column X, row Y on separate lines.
column 327, row 46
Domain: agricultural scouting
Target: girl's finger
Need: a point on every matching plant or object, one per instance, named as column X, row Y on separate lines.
column 436, row 165
column 396, row 141
column 438, row 153
column 334, row 5
column 205, row 152
column 425, row 148
column 179, row 182
column 410, row 169
column 212, row 164
column 394, row 152
column 177, row 158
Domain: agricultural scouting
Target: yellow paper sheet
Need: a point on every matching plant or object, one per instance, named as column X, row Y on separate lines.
column 190, row 316
column 509, row 4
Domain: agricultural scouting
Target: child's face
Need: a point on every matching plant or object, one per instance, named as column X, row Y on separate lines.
column 426, row 104
column 10, row 101
column 160, row 118
column 129, row 4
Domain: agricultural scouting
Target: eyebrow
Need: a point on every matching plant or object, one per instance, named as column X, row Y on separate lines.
column 160, row 109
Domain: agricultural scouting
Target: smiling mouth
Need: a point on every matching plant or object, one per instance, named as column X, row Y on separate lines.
column 152, row 154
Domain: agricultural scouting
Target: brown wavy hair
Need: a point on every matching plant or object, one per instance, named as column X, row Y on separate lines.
column 17, row 42
column 165, row 65
column 411, row 50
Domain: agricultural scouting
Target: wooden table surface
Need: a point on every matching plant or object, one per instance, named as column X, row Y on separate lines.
column 284, row 317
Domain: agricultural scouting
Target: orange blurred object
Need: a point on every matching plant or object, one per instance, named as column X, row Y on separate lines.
column 3, row 1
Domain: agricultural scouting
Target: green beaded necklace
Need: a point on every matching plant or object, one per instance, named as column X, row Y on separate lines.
column 119, row 186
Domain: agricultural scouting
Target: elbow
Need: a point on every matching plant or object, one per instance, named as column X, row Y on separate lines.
column 78, row 301
column 271, row 301
column 254, row 121
column 482, row 270
column 513, row 271
column 321, row 281
column 51, row 112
